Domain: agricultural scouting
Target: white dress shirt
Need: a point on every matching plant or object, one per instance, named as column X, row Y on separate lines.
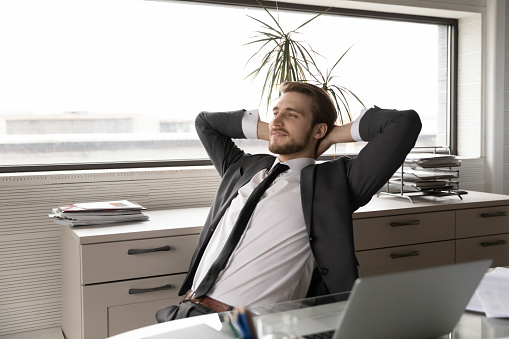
column 273, row 261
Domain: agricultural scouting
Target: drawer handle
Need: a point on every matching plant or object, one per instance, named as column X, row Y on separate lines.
column 145, row 290
column 495, row 214
column 408, row 223
column 493, row 243
column 410, row 254
column 148, row 250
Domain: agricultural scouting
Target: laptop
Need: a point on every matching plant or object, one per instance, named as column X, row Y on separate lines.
column 425, row 303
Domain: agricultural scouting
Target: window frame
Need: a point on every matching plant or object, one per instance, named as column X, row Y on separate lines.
column 452, row 85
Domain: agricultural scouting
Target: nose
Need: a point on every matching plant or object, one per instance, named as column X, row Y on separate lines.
column 277, row 120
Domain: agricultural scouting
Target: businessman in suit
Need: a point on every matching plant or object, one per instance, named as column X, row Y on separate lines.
column 299, row 239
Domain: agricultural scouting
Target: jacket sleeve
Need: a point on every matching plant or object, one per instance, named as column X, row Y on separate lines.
column 216, row 132
column 390, row 134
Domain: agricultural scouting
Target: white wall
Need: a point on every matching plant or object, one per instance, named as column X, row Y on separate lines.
column 29, row 241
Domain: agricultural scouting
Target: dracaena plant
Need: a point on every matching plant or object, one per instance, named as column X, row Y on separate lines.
column 285, row 58
column 338, row 93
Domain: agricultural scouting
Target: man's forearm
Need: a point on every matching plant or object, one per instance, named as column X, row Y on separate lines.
column 263, row 131
column 216, row 131
column 340, row 134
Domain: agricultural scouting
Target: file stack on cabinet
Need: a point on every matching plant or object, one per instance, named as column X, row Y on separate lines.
column 116, row 277
column 98, row 213
column 425, row 174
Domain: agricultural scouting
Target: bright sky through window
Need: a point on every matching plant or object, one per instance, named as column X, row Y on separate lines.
column 157, row 63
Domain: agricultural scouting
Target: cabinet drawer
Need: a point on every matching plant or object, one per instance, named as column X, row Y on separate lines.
column 129, row 317
column 101, row 300
column 138, row 258
column 403, row 258
column 403, row 229
column 495, row 247
column 482, row 221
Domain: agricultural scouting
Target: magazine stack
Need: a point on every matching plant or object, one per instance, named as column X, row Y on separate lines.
column 98, row 213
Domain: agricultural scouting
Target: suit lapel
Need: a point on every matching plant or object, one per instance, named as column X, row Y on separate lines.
column 246, row 176
column 307, row 176
column 250, row 172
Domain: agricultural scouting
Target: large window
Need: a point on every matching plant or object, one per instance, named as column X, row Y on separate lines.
column 120, row 81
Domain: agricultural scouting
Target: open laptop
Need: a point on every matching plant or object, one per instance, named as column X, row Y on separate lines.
column 425, row 303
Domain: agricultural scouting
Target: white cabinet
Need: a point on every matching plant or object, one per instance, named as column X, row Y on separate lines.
column 394, row 235
column 483, row 233
column 116, row 277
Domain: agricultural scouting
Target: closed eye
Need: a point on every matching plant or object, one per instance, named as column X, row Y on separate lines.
column 289, row 113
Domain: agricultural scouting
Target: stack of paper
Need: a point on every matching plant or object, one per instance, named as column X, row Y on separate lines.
column 415, row 175
column 98, row 213
column 429, row 160
column 492, row 294
column 427, row 178
column 428, row 173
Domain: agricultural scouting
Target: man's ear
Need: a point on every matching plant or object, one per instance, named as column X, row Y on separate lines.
column 319, row 131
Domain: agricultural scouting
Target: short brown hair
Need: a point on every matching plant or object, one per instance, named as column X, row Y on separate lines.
column 322, row 107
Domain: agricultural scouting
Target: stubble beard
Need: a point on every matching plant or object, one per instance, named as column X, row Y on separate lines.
column 290, row 147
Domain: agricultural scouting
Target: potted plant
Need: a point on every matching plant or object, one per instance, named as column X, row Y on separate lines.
column 285, row 58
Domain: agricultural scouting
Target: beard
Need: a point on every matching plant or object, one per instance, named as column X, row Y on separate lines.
column 290, row 147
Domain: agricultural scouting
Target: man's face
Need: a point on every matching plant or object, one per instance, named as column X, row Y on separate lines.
column 291, row 128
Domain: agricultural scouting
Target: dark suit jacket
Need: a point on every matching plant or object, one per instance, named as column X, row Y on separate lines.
column 330, row 191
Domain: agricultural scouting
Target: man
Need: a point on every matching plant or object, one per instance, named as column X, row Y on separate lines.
column 298, row 241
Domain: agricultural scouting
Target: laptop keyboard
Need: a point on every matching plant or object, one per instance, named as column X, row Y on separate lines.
column 320, row 335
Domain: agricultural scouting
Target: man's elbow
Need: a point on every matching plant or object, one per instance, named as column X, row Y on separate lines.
column 200, row 118
column 413, row 122
column 200, row 121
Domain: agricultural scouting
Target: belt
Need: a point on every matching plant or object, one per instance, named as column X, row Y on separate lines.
column 208, row 302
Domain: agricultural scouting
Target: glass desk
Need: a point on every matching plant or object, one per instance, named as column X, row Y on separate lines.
column 329, row 308
column 301, row 317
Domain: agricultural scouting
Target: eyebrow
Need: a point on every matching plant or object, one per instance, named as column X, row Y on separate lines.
column 288, row 109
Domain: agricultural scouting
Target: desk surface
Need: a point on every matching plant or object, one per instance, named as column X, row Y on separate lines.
column 162, row 223
column 190, row 220
column 470, row 326
column 386, row 205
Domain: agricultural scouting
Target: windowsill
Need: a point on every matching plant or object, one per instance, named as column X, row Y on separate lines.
column 141, row 171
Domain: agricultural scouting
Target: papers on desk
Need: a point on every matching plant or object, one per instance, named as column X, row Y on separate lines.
column 492, row 294
column 98, row 213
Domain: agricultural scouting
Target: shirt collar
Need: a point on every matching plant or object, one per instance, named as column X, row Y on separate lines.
column 296, row 165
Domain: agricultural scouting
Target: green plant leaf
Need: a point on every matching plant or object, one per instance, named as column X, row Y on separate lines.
column 340, row 58
column 267, row 25
column 274, row 19
column 284, row 58
column 313, row 18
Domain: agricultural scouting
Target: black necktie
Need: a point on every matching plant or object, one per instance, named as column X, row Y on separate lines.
column 238, row 230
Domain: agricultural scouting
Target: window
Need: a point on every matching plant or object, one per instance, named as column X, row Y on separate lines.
column 120, row 81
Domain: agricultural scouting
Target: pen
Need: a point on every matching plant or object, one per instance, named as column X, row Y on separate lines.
column 244, row 326
column 232, row 326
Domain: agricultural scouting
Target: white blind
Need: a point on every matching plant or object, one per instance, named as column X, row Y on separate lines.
column 470, row 109
column 30, row 241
